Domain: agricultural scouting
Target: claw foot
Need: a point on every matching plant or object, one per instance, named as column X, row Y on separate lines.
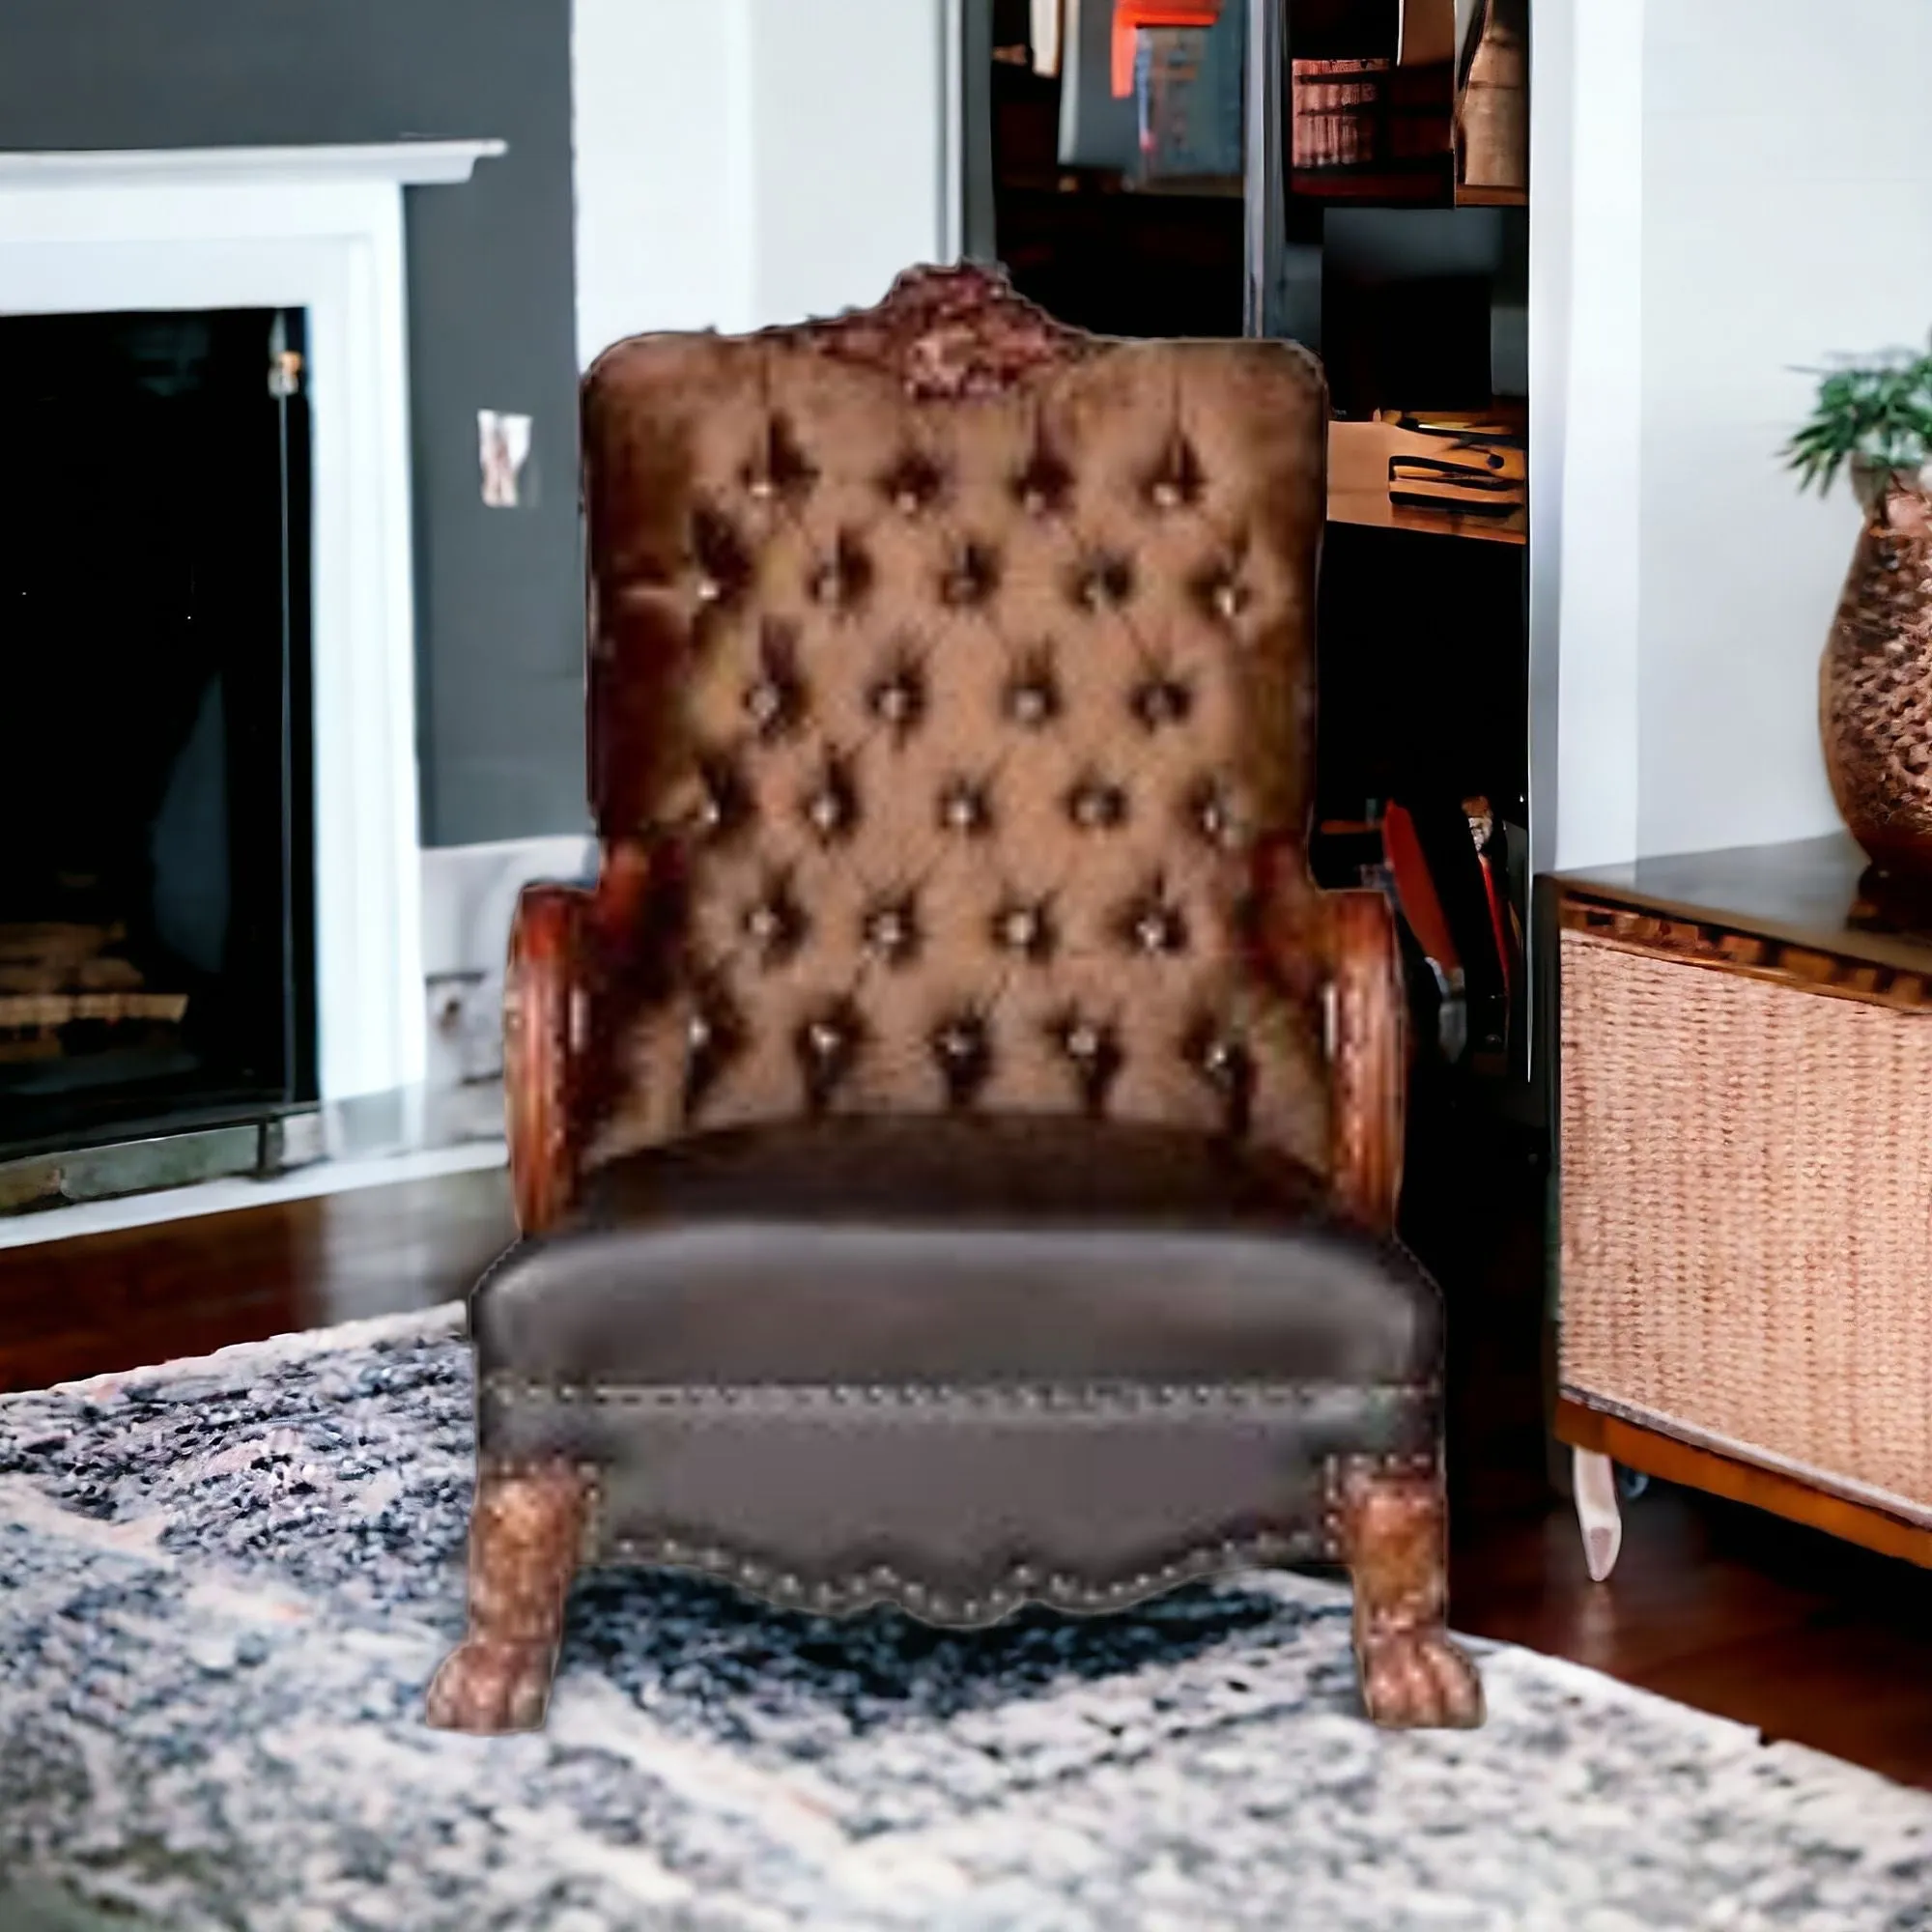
column 1420, row 1680
column 489, row 1686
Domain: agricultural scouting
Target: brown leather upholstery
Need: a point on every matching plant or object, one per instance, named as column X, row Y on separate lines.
column 964, row 1248
column 854, row 1358
column 924, row 1131
column 954, row 723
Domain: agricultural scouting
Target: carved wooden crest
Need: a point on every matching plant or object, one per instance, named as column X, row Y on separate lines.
column 948, row 333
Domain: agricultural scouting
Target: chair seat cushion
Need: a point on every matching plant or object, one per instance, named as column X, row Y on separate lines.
column 956, row 1363
column 955, row 1249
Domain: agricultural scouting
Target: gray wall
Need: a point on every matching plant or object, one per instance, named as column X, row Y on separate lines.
column 492, row 315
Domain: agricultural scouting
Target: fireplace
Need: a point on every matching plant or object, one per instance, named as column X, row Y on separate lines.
column 157, row 894
column 227, row 907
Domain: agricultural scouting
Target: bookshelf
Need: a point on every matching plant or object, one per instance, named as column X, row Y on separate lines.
column 1400, row 257
column 1411, row 282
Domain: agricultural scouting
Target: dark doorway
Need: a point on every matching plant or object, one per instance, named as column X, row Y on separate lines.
column 156, row 899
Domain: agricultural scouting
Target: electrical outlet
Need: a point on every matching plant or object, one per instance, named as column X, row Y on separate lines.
column 465, row 1028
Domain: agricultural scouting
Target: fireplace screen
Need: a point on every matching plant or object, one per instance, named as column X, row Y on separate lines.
column 155, row 851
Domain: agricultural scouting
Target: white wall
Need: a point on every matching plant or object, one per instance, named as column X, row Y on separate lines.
column 664, row 166
column 742, row 163
column 1585, row 383
column 850, row 150
column 1787, row 215
column 1749, row 190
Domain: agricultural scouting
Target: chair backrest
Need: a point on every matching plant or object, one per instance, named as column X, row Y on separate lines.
column 955, row 667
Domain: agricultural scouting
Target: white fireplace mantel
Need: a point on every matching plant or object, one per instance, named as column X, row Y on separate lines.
column 319, row 229
column 403, row 164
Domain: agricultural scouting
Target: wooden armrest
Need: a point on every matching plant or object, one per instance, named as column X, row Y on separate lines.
column 539, row 987
column 562, row 940
column 1342, row 947
column 1368, row 1055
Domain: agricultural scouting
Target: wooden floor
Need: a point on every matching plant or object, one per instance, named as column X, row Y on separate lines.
column 1714, row 1604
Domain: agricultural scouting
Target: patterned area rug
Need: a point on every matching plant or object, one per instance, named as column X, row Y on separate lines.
column 224, row 1584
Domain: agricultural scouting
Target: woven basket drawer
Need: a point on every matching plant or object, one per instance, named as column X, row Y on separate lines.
column 1747, row 1218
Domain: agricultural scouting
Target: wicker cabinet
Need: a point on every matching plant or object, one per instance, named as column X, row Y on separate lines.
column 1745, row 1169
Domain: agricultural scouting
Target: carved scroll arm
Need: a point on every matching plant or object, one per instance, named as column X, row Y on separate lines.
column 1341, row 947
column 1366, row 1055
column 570, row 946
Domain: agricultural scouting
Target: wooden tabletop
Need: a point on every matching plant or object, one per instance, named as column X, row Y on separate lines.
column 1811, row 892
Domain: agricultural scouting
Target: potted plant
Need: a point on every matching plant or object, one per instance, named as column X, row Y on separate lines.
column 1873, row 418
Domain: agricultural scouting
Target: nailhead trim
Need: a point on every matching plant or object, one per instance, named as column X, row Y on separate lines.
column 881, row 1582
column 1023, row 1583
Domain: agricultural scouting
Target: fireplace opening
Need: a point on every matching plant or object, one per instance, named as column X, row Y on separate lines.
column 157, row 851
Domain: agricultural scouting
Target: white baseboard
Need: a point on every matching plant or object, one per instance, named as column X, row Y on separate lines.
column 222, row 1197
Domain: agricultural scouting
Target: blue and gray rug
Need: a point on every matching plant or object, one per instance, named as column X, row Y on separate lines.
column 224, row 1584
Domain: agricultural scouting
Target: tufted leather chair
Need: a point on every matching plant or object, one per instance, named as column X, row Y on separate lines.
column 955, row 1146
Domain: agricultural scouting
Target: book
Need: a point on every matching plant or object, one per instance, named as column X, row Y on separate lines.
column 1188, row 86
column 1338, row 112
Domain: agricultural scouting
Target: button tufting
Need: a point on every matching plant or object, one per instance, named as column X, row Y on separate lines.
column 1033, row 698
column 776, row 925
column 1105, row 583
column 913, row 484
column 1096, row 805
column 724, row 804
column 1226, row 1065
column 1024, row 928
column 1223, row 1060
column 1212, row 813
column 844, row 577
column 897, row 698
column 1157, row 927
column 827, row 1044
column 714, row 1035
column 1163, row 701
column 775, row 699
column 780, row 469
column 1178, row 482
column 891, row 930
column 774, row 704
column 971, row 578
column 718, row 559
column 1093, row 1050
column 962, row 1046
column 964, row 806
column 1044, row 485
column 832, row 808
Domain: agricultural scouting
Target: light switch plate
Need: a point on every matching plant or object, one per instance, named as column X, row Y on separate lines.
column 504, row 447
